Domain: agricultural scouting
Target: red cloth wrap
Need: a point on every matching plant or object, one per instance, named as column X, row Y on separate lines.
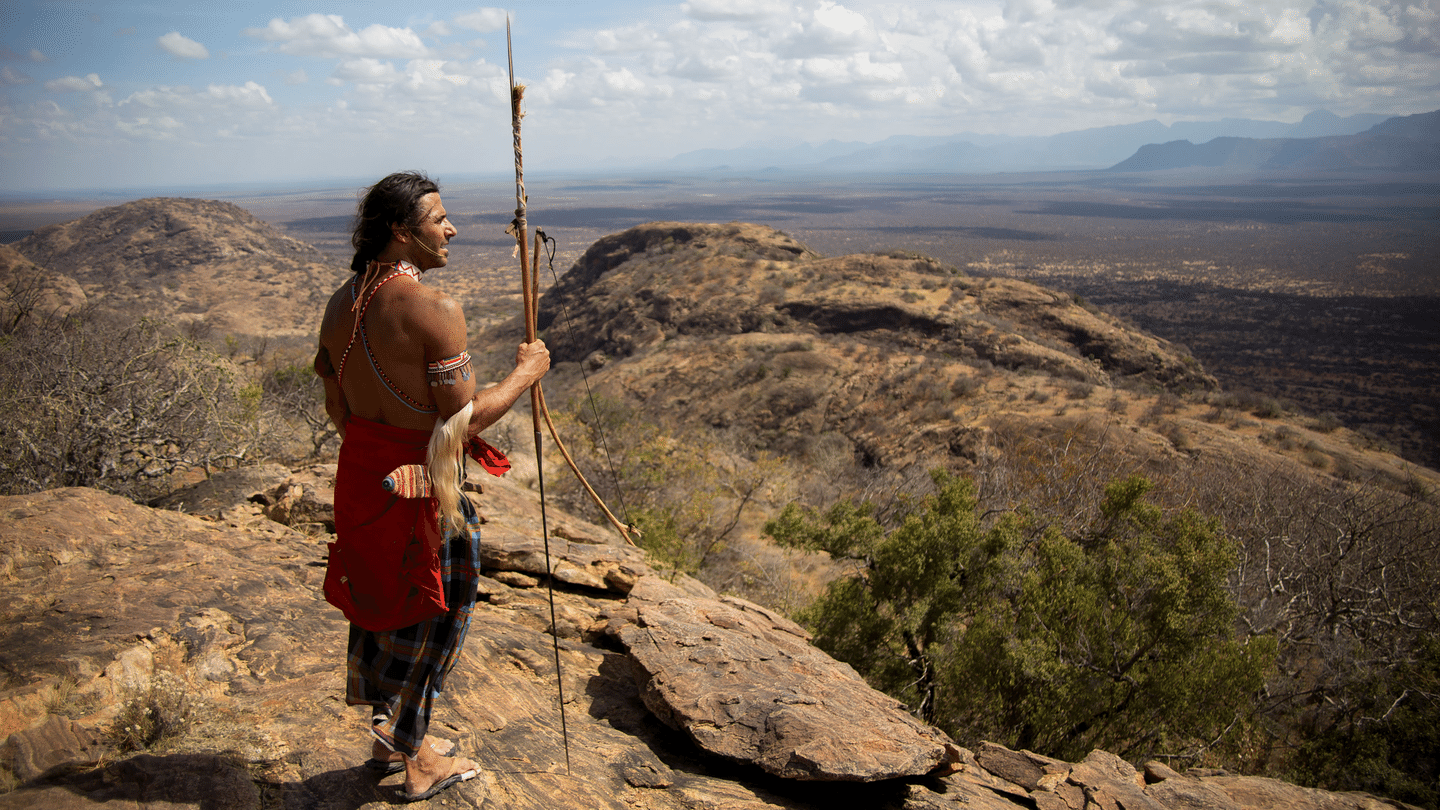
column 384, row 572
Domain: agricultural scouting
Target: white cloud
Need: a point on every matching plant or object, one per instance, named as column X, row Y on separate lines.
column 74, row 84
column 177, row 44
column 215, row 97
column 829, row 30
column 248, row 96
column 711, row 10
column 690, row 73
column 11, row 76
column 327, row 35
column 483, row 20
column 365, row 71
column 37, row 56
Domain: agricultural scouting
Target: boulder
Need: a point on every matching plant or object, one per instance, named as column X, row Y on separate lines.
column 745, row 683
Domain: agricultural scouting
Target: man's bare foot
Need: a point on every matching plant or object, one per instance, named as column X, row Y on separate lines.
column 380, row 754
column 429, row 773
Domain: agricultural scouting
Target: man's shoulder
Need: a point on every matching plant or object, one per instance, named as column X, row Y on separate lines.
column 429, row 312
column 426, row 300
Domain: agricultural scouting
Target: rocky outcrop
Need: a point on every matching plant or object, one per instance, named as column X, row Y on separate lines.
column 632, row 290
column 675, row 698
column 905, row 360
column 745, row 683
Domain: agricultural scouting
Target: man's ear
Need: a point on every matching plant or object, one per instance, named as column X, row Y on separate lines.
column 399, row 233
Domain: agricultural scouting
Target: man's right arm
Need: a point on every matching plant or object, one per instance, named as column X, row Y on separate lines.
column 335, row 404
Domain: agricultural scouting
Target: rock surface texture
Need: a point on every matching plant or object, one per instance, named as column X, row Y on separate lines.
column 675, row 698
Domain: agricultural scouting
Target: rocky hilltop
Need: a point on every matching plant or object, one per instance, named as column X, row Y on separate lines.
column 675, row 697
column 896, row 359
column 190, row 261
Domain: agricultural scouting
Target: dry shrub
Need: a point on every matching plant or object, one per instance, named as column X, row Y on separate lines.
column 154, row 715
column 102, row 401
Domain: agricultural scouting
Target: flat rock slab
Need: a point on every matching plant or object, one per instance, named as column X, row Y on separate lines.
column 744, row 683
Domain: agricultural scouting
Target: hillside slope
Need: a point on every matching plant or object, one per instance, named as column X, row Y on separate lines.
column 191, row 261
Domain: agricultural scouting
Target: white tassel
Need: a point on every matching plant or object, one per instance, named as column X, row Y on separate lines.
column 445, row 461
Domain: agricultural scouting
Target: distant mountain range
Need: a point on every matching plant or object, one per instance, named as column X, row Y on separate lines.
column 1410, row 142
column 1321, row 140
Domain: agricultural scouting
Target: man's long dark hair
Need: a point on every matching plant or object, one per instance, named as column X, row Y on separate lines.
column 394, row 200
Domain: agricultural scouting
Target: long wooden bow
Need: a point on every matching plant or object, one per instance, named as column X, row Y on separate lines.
column 530, row 295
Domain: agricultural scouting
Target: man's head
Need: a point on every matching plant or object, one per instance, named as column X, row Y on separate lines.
column 394, row 205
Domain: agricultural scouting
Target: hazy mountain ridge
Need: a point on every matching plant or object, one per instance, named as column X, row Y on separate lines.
column 1095, row 148
column 1399, row 144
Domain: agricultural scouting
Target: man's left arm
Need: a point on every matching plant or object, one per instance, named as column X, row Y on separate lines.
column 445, row 344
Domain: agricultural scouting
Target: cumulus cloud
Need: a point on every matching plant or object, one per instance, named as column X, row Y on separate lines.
column 181, row 46
column 830, row 29
column 327, row 35
column 365, row 71
column 11, row 76
column 1062, row 64
column 693, row 73
column 74, row 84
column 482, row 20
column 37, row 56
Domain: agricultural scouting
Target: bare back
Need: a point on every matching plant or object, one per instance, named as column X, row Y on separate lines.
column 406, row 325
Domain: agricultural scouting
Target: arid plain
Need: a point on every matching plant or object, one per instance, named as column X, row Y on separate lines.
column 1318, row 291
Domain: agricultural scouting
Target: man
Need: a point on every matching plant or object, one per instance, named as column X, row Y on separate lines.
column 393, row 360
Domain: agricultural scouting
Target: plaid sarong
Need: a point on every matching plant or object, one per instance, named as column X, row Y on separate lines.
column 399, row 673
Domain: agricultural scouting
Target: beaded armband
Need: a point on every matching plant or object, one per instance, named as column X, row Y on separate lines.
column 445, row 372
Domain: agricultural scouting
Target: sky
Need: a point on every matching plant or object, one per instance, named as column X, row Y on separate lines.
column 109, row 95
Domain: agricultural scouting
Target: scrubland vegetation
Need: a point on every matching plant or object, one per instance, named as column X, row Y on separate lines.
column 1060, row 596
column 134, row 406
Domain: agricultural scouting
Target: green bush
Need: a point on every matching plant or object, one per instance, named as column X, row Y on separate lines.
column 1118, row 636
column 1387, row 739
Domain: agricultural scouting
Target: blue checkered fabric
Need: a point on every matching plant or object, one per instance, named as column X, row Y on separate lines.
column 399, row 673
